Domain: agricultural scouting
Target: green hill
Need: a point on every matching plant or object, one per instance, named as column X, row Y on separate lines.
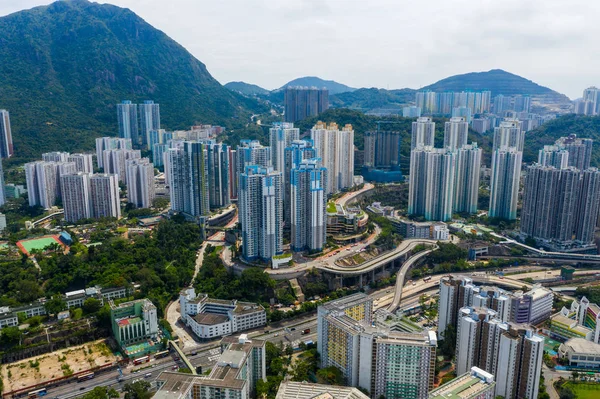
column 66, row 65
column 309, row 81
column 372, row 98
column 582, row 126
column 498, row 82
column 247, row 89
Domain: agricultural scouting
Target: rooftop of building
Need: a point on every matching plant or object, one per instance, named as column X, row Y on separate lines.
column 305, row 390
column 210, row 319
column 581, row 345
column 146, row 304
column 538, row 292
column 128, row 320
column 466, row 386
column 559, row 318
column 347, row 302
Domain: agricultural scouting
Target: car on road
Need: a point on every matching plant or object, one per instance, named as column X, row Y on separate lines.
column 293, row 329
column 276, row 335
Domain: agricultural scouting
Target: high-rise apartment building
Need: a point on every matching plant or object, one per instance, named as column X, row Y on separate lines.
column 83, row 162
column 382, row 149
column 149, row 114
column 423, row 133
column 411, row 112
column 455, row 293
column 260, row 212
column 114, row 161
column 336, row 150
column 550, row 203
column 127, row 117
column 218, row 174
column 2, row 189
column 509, row 134
column 370, row 354
column 251, row 152
column 443, row 103
column 308, row 206
column 76, row 196
column 187, row 168
column 110, row 143
column 298, row 151
column 519, row 365
column 589, row 104
column 140, row 182
column 432, row 178
column 233, row 174
column 589, row 204
column 104, row 196
column 302, row 102
column 158, row 154
column 456, row 133
column 504, row 182
column 6, row 141
column 462, row 112
column 56, row 156
column 42, row 183
column 580, row 150
column 553, row 155
column 468, row 167
column 510, row 352
column 281, row 136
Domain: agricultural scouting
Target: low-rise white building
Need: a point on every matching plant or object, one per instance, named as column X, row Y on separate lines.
column 580, row 353
column 210, row 318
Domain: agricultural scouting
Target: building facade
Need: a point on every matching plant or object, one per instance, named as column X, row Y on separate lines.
column 504, row 182
column 302, row 102
column 149, row 114
column 127, row 118
column 140, row 182
column 336, row 149
column 6, row 141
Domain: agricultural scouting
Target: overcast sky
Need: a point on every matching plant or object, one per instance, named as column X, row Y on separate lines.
column 382, row 43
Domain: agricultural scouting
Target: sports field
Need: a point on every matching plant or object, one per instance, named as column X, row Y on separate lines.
column 585, row 390
column 27, row 246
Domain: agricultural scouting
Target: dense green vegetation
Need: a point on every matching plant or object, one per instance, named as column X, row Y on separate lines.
column 161, row 263
column 373, row 98
column 582, row 126
column 71, row 62
column 246, row 89
column 497, row 81
column 591, row 293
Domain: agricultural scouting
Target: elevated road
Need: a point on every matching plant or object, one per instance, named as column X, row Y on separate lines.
column 401, row 277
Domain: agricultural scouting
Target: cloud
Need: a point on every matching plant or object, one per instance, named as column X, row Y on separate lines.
column 382, row 43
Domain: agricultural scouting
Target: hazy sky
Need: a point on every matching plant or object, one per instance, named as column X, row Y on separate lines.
column 381, row 43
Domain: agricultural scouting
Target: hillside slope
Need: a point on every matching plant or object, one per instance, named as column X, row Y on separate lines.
column 72, row 61
column 247, row 89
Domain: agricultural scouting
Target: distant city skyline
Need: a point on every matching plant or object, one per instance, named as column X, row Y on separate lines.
column 239, row 37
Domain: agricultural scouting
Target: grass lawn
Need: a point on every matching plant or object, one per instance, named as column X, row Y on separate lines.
column 585, row 390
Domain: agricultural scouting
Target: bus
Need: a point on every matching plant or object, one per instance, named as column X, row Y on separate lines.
column 85, row 377
column 37, row 394
column 160, row 355
column 140, row 360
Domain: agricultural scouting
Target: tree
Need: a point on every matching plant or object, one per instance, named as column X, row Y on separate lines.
column 10, row 336
column 55, row 305
column 101, row 393
column 91, row 305
column 331, row 375
column 575, row 375
column 138, row 390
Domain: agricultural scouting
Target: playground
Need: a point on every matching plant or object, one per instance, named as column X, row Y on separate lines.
column 26, row 246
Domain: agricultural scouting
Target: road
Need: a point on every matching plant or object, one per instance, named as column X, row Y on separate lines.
column 401, row 276
column 344, row 199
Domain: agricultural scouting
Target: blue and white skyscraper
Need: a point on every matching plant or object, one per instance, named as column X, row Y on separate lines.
column 127, row 116
column 6, row 141
column 140, row 182
column 149, row 114
column 260, row 199
column 308, row 206
column 298, row 151
column 2, row 193
column 110, row 143
column 281, row 136
column 456, row 133
column 509, row 134
column 251, row 152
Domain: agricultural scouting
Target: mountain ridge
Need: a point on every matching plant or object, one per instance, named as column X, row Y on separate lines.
column 310, row 81
column 73, row 61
